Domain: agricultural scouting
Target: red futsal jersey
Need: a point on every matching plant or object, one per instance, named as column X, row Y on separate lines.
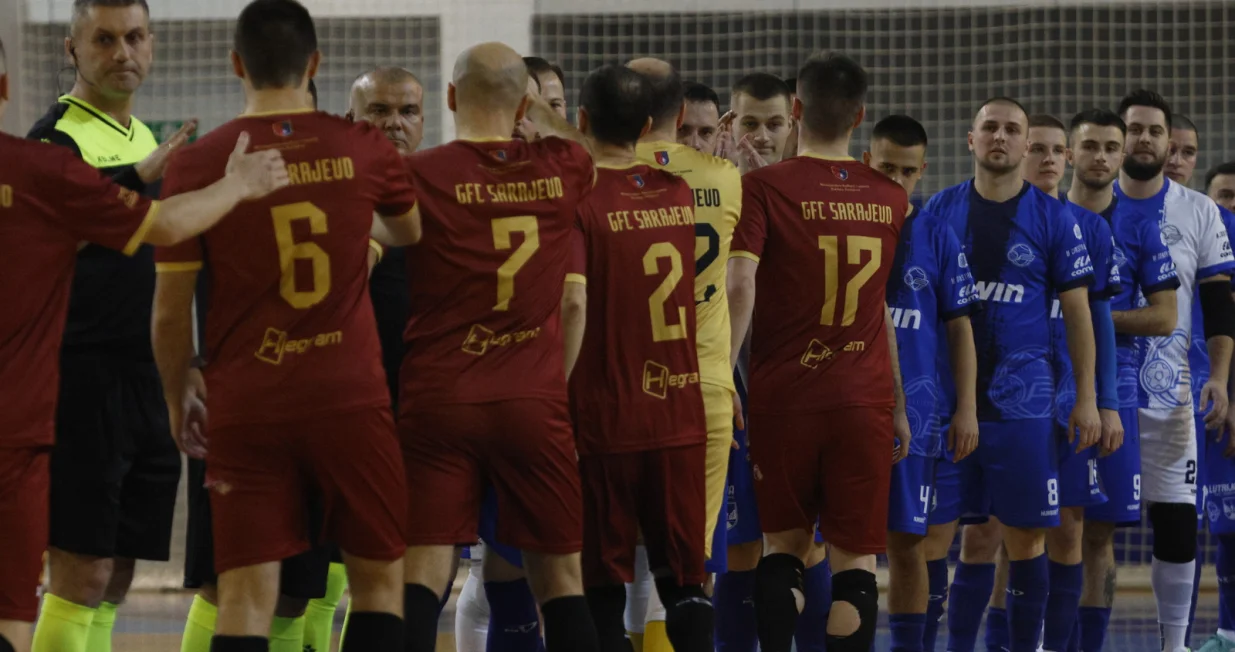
column 635, row 386
column 824, row 233
column 486, row 281
column 290, row 330
column 49, row 202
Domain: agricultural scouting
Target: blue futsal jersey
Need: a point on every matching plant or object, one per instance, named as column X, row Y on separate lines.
column 1021, row 253
column 929, row 285
column 1106, row 283
column 1198, row 353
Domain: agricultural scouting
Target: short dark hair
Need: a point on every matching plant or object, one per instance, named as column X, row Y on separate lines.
column 667, row 92
column 80, row 7
column 792, row 84
column 1142, row 97
column 313, row 92
column 1180, row 121
column 900, row 129
column 1043, row 120
column 762, row 86
column 1218, row 170
column 696, row 92
column 275, row 40
column 537, row 66
column 531, row 74
column 832, row 90
column 1001, row 99
column 618, row 103
column 1099, row 117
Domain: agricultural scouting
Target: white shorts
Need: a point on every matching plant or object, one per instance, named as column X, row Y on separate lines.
column 1168, row 455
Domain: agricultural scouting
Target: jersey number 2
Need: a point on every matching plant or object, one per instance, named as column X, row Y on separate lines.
column 855, row 244
column 662, row 330
column 291, row 251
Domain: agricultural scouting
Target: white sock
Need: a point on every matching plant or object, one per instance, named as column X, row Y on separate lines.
column 1227, row 634
column 637, row 593
column 1172, row 585
column 472, row 615
column 656, row 610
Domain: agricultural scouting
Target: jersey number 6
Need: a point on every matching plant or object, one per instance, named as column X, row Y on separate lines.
column 291, row 251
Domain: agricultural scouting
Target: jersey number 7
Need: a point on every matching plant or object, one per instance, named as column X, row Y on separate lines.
column 856, row 244
column 502, row 228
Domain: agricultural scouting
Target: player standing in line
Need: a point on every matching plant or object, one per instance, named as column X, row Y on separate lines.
column 1191, row 226
column 930, row 292
column 50, row 201
column 717, row 205
column 839, row 476
column 1220, row 185
column 483, row 386
column 1183, row 148
column 701, row 121
column 550, row 81
column 758, row 121
column 114, row 472
column 1022, row 246
column 273, row 329
column 634, row 386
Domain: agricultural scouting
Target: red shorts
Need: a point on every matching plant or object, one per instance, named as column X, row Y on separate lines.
column 524, row 448
column 262, row 476
column 832, row 466
column 24, row 496
column 659, row 492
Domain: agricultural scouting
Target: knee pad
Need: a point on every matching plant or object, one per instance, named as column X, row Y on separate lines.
column 689, row 619
column 858, row 588
column 5, row 646
column 608, row 604
column 779, row 598
column 1174, row 526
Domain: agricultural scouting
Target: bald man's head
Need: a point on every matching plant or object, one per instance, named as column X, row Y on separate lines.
column 392, row 99
column 667, row 91
column 490, row 75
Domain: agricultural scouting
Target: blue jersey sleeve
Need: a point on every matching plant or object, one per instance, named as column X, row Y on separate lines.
column 1155, row 268
column 1101, row 246
column 958, row 293
column 1070, row 266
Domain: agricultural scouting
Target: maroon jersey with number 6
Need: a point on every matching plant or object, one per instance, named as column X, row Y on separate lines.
column 824, row 233
column 486, row 281
column 635, row 386
column 49, row 202
column 290, row 331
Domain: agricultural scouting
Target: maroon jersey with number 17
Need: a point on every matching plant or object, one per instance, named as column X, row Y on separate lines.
column 825, row 234
column 635, row 386
column 290, row 331
column 49, row 202
column 486, row 281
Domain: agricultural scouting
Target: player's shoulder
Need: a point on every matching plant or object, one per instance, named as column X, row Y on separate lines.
column 52, row 128
column 35, row 156
column 1181, row 196
column 944, row 199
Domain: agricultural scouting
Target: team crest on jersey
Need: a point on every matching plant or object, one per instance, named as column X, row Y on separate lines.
column 637, row 180
column 1020, row 255
column 915, row 279
column 499, row 154
column 1215, row 512
column 962, row 261
column 1076, row 231
column 662, row 157
column 1170, row 234
column 1228, row 508
column 840, row 173
column 283, row 129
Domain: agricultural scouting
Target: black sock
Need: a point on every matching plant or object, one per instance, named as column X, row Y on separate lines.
column 5, row 645
column 419, row 618
column 373, row 631
column 689, row 617
column 608, row 606
column 239, row 644
column 568, row 625
column 776, row 604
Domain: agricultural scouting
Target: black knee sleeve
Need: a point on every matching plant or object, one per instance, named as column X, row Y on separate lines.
column 420, row 617
column 778, row 589
column 689, row 619
column 568, row 625
column 858, row 588
column 1175, row 528
column 608, row 606
column 370, row 631
column 239, row 644
column 5, row 645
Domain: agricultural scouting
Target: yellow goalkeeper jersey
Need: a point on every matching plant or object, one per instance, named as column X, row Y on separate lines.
column 717, row 185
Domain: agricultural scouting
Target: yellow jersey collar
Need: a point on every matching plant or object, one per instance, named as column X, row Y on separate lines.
column 127, row 132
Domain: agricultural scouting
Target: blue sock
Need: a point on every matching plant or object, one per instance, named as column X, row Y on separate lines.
column 937, row 570
column 996, row 629
column 1196, row 588
column 514, row 624
column 1074, row 640
column 734, row 602
column 971, row 592
column 1094, row 621
column 1226, row 582
column 907, row 631
column 1028, row 583
column 812, row 630
column 1062, row 604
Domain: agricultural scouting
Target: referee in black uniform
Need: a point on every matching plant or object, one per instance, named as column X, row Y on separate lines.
column 115, row 469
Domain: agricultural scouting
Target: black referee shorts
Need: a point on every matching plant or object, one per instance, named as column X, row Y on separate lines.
column 115, row 469
column 302, row 576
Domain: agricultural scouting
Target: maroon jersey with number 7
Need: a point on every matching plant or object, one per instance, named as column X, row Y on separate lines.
column 290, row 331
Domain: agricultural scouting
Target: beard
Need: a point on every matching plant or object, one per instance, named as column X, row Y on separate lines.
column 998, row 168
column 1144, row 171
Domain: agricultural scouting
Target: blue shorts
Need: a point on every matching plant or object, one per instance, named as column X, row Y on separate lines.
column 912, row 495
column 946, row 506
column 1120, row 475
column 742, row 514
column 1218, row 488
column 1202, row 466
column 1015, row 472
column 488, row 531
column 1078, row 474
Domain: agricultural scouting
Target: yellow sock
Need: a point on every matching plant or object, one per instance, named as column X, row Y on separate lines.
column 636, row 640
column 100, row 628
column 199, row 628
column 655, row 638
column 319, row 616
column 287, row 635
column 63, row 626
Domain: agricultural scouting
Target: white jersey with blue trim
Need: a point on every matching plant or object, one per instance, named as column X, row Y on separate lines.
column 1191, row 227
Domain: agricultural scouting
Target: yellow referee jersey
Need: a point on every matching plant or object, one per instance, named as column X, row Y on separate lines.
column 718, row 206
